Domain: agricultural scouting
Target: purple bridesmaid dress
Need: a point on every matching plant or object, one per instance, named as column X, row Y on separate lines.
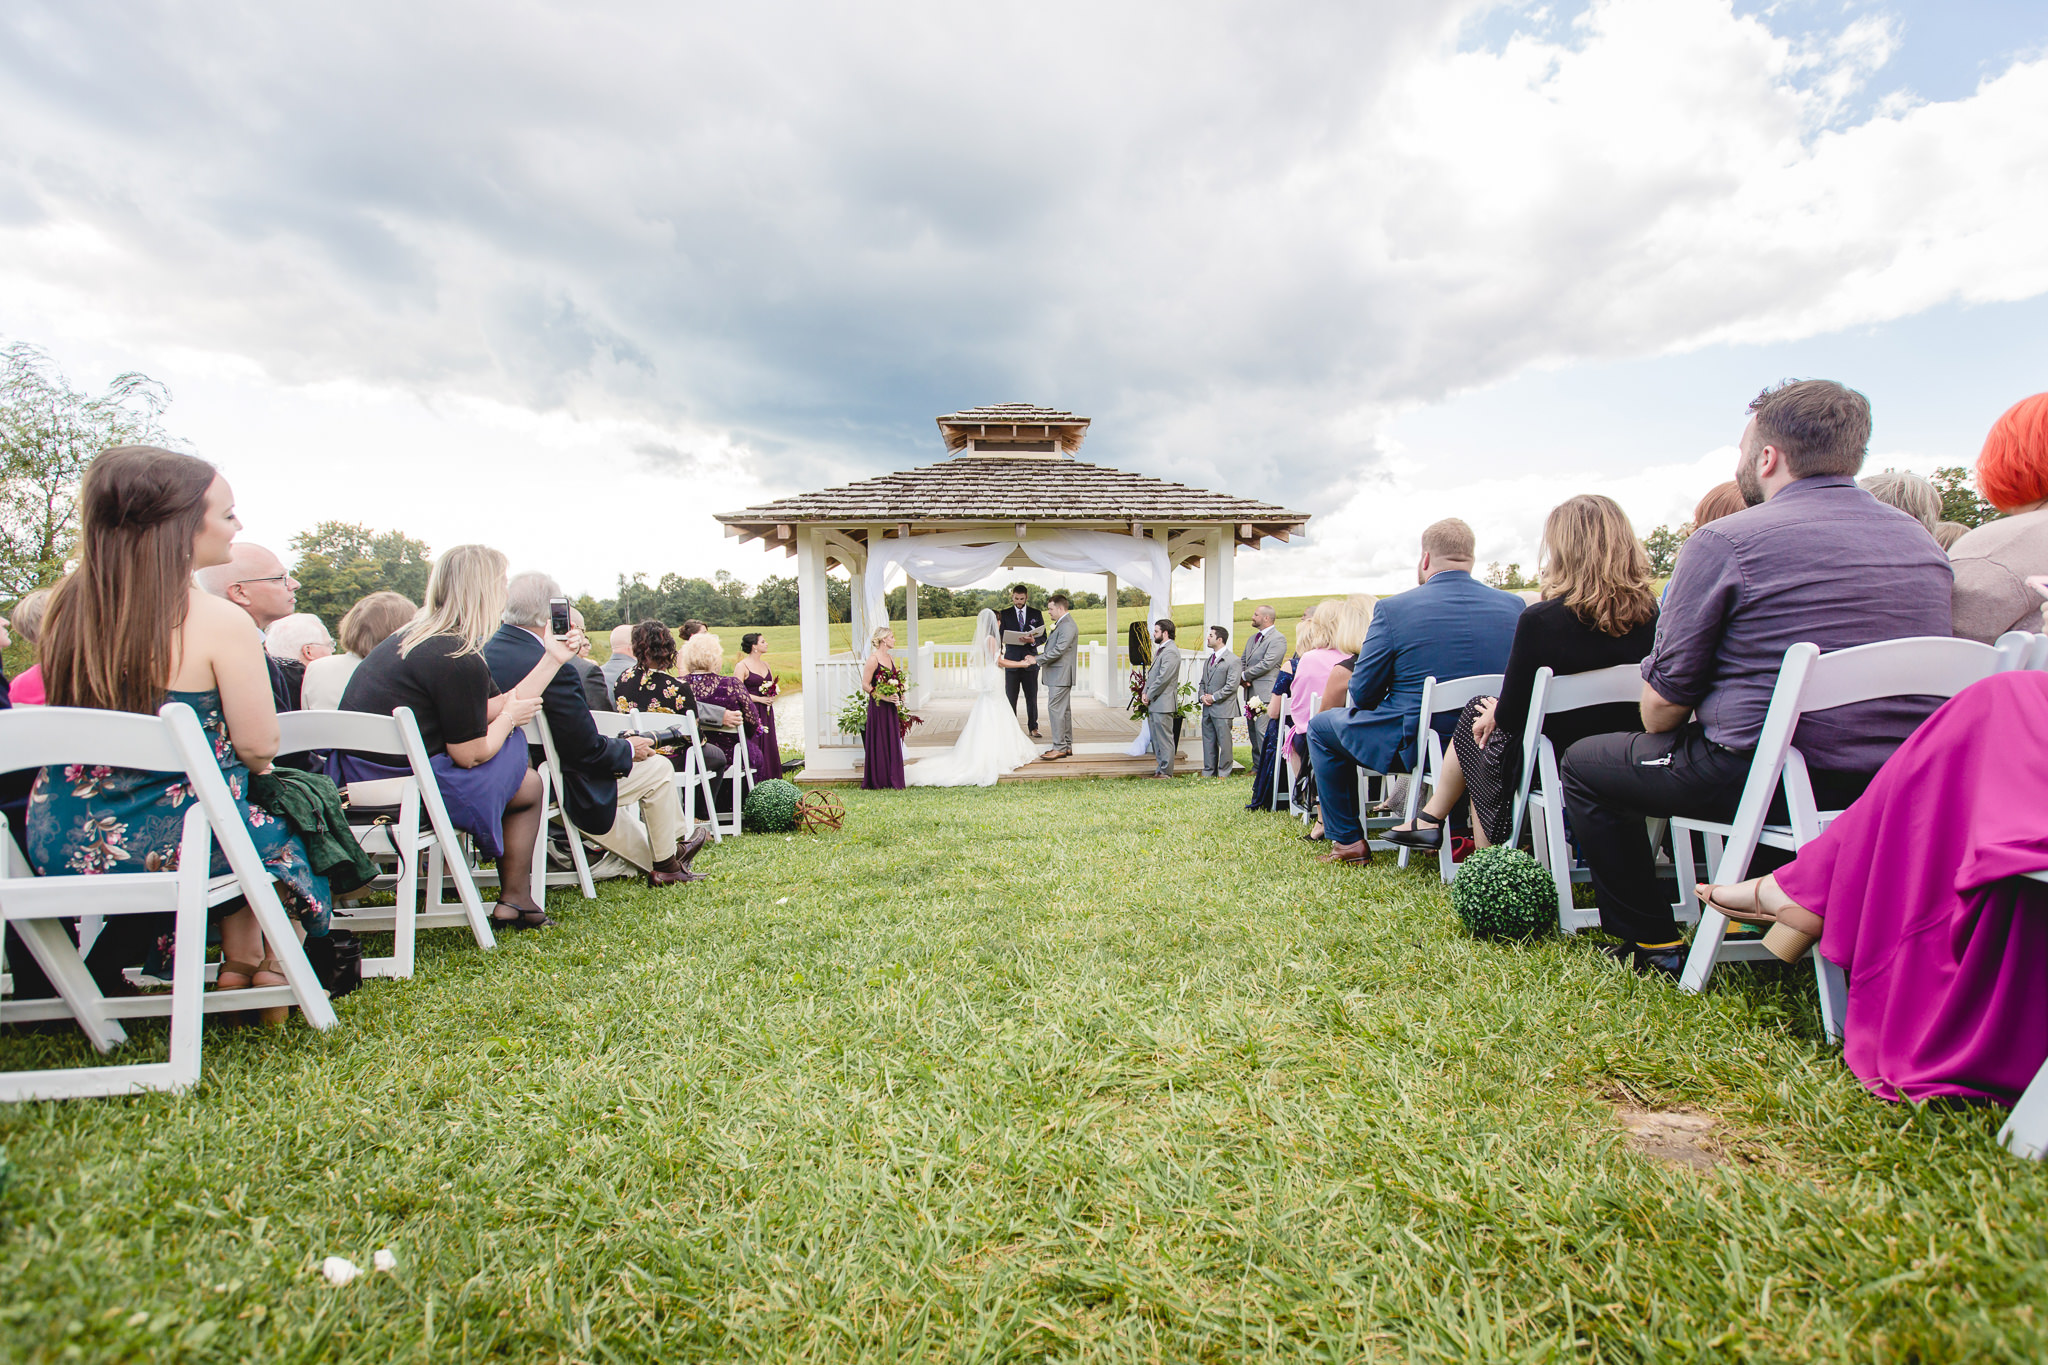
column 882, row 740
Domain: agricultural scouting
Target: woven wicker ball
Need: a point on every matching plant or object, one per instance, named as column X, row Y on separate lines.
column 1504, row 893
column 770, row 808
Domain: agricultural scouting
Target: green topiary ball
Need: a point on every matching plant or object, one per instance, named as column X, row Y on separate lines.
column 770, row 808
column 1504, row 893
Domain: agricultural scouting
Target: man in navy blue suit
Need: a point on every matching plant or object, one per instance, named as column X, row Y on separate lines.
column 1453, row 626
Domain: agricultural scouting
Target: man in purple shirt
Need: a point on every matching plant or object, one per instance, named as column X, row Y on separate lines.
column 1814, row 558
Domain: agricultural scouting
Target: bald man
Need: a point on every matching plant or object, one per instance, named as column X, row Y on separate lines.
column 622, row 656
column 255, row 580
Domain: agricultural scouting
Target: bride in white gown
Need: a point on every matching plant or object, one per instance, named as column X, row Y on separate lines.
column 992, row 743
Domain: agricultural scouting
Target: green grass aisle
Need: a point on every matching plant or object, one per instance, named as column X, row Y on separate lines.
column 1100, row 1071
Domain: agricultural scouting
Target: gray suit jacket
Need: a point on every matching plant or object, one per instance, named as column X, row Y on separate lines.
column 1261, row 660
column 1056, row 660
column 1219, row 680
column 1162, row 684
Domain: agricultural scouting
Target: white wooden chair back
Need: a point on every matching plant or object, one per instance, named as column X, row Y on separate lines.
column 1439, row 696
column 555, row 807
column 739, row 772
column 419, row 798
column 1929, row 666
column 692, row 774
column 2023, row 649
column 1540, row 789
column 170, row 742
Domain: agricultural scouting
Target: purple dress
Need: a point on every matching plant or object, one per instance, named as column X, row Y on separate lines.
column 762, row 687
column 1945, row 952
column 882, row 740
column 719, row 689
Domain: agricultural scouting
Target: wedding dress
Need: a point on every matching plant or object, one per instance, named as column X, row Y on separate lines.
column 992, row 742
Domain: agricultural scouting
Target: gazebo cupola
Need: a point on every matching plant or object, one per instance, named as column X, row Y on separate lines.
column 1020, row 430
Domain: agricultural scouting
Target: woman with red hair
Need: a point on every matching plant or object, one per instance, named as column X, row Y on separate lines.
column 1992, row 563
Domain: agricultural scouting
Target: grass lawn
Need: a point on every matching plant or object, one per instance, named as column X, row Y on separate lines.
column 784, row 656
column 1070, row 1070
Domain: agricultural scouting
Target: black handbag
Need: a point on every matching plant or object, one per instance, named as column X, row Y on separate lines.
column 337, row 960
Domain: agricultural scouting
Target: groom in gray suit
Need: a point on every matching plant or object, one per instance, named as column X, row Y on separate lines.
column 1056, row 671
column 1162, row 695
column 1218, row 695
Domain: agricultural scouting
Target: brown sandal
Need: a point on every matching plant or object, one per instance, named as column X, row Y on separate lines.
column 275, row 1014
column 246, row 970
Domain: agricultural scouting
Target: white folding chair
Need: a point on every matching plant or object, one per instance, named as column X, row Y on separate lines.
column 398, row 838
column 692, row 774
column 740, row 772
column 555, row 807
column 1307, row 707
column 1540, row 798
column 1438, row 697
column 2024, row 649
column 1920, row 666
column 2025, row 1132
column 170, row 742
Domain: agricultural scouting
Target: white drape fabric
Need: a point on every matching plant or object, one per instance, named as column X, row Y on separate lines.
column 958, row 559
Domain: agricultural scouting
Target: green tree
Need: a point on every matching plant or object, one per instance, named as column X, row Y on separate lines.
column 340, row 563
column 1662, row 546
column 49, row 433
column 1509, row 578
column 1960, row 500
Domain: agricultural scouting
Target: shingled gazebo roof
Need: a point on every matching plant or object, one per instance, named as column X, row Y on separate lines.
column 990, row 489
column 1014, row 425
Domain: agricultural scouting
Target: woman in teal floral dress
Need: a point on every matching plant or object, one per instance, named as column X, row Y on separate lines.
column 127, row 631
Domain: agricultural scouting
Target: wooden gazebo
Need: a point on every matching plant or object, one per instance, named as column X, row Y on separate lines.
column 1014, row 482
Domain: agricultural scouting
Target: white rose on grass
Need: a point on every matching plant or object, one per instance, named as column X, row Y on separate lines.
column 384, row 1260
column 339, row 1270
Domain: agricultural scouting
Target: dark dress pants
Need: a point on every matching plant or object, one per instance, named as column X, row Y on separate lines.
column 1023, row 680
column 1613, row 782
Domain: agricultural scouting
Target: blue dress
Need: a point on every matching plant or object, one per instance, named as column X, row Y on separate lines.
column 97, row 819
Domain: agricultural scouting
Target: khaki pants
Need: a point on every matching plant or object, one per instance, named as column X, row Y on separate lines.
column 651, row 838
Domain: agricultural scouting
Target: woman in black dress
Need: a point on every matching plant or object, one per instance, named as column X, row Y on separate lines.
column 1598, row 609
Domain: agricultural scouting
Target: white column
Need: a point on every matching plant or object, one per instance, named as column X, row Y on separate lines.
column 910, row 627
column 1106, row 687
column 1224, row 556
column 1215, row 610
column 813, row 632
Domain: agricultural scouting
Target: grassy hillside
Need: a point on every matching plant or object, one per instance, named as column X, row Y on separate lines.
column 783, row 651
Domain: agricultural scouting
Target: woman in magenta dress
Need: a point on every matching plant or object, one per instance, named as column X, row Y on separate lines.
column 882, row 739
column 704, row 656
column 1914, row 892
column 751, row 668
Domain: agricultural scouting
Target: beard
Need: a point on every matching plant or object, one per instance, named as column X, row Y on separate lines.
column 1746, row 479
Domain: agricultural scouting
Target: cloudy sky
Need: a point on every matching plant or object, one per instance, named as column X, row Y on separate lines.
column 568, row 278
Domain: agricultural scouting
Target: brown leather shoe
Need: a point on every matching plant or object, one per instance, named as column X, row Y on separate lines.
column 674, row 870
column 1057, row 753
column 1359, row 854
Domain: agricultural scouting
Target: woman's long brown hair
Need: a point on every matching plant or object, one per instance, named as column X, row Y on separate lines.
column 108, row 633
column 1596, row 565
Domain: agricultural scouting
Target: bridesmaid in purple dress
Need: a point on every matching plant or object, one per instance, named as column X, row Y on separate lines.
column 1914, row 892
column 751, row 668
column 883, row 738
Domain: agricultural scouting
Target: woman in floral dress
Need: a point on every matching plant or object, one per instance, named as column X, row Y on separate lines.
column 651, row 683
column 128, row 631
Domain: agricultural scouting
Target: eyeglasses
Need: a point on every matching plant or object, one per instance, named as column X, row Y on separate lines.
column 273, row 578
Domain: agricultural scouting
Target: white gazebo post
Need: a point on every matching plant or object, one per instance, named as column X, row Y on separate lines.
column 1218, row 577
column 910, row 664
column 813, row 631
column 1110, row 636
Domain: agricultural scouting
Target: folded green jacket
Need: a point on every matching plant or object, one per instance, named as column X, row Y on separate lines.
column 311, row 804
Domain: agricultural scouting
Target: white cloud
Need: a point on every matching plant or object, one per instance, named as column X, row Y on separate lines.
column 775, row 239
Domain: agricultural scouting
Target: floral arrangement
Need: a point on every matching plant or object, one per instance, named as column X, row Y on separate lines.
column 853, row 712
column 1187, row 705
column 1257, row 706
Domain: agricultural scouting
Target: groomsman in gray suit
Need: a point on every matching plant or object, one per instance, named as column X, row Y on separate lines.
column 1056, row 671
column 1162, row 695
column 1218, row 694
column 1263, row 654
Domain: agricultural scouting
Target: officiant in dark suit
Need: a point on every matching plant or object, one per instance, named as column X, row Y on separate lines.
column 1020, row 617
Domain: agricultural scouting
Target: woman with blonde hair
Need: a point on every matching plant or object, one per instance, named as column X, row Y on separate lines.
column 882, row 737
column 1345, row 622
column 1598, row 610
column 436, row 667
column 703, row 664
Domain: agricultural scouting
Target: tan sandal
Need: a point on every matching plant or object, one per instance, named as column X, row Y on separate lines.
column 275, row 1014
column 246, row 970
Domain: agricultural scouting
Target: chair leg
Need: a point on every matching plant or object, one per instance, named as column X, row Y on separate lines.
column 405, row 894
column 1834, row 996
column 50, row 945
column 1688, row 908
column 2025, row 1133
column 1560, row 862
column 188, row 986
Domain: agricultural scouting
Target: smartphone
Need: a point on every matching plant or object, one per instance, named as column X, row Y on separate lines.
column 558, row 615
